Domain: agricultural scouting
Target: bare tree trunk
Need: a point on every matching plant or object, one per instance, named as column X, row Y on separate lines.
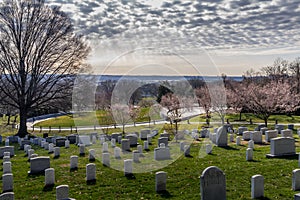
column 266, row 121
column 8, row 119
column 176, row 130
column 23, row 120
column 123, row 129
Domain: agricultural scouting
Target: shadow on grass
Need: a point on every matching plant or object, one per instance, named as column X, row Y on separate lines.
column 73, row 169
column 48, row 188
column 91, row 182
column 286, row 157
column 130, row 176
column 263, row 198
column 230, row 148
column 189, row 156
column 254, row 161
column 165, row 194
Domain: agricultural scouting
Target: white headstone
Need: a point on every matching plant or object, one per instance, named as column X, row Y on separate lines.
column 136, row 156
column 117, row 152
column 113, row 142
column 81, row 149
column 125, row 145
column 182, row 143
column 94, row 139
column 7, row 168
column 162, row 153
column 282, row 146
column 213, row 184
column 256, row 137
column 296, row 180
column 73, row 162
column 128, row 167
column 105, row 147
column 85, row 139
column 251, row 144
column 213, row 137
column 56, row 152
column 242, row 129
column 249, row 154
column 119, row 139
column 144, row 133
column 7, row 182
column 222, row 137
column 257, row 186
column 238, row 140
column 67, row 144
column 187, row 149
column 149, row 139
column 6, row 159
column 30, row 152
column 163, row 140
column 286, row 133
column 39, row 164
column 62, row 192
column 6, row 153
column 246, row 135
column 51, row 148
column 270, row 135
column 140, row 149
column 160, row 181
column 208, row 148
column 46, row 145
column 90, row 172
column 146, row 145
column 106, row 159
column 231, row 137
column 49, row 177
column 92, row 155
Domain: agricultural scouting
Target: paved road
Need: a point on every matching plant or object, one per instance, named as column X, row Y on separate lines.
column 186, row 116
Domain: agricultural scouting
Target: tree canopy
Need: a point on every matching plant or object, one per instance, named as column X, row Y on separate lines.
column 39, row 53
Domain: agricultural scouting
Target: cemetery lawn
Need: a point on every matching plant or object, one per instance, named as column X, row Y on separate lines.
column 100, row 117
column 183, row 175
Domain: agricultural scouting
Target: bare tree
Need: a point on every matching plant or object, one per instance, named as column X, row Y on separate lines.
column 121, row 115
column 278, row 70
column 38, row 51
column 294, row 68
column 176, row 106
column 204, row 101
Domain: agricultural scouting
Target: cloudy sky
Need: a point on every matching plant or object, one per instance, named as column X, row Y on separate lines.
column 186, row 36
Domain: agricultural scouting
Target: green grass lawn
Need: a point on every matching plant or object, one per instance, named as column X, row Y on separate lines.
column 98, row 117
column 183, row 175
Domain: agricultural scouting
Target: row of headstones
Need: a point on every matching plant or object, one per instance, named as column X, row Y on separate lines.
column 145, row 134
column 7, row 176
column 160, row 153
column 263, row 128
column 256, row 136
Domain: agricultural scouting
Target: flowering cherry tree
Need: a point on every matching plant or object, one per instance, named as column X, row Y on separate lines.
column 274, row 96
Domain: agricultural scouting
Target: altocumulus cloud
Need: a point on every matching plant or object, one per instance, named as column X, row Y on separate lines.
column 213, row 23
